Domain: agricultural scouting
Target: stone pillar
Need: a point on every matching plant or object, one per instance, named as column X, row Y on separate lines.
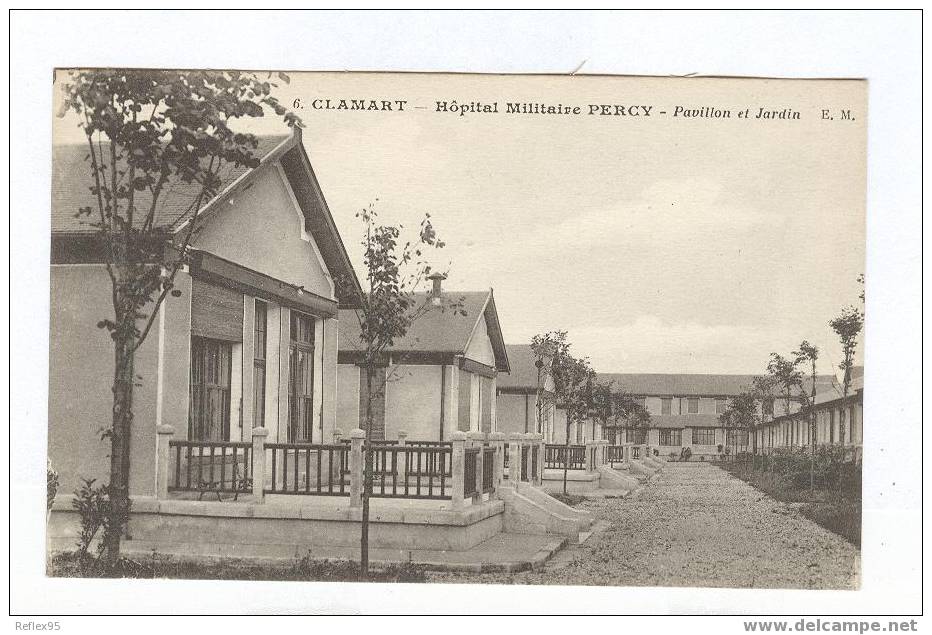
column 538, row 478
column 514, row 458
column 163, row 459
column 357, row 437
column 459, row 451
column 337, row 435
column 497, row 439
column 475, row 441
column 590, row 456
column 258, row 463
column 402, row 437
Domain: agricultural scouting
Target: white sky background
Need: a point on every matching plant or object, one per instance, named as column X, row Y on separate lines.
column 661, row 244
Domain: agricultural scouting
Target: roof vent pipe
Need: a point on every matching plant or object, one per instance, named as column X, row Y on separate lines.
column 437, row 278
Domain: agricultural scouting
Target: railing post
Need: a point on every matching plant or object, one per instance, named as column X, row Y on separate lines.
column 537, row 478
column 163, row 456
column 497, row 439
column 337, row 435
column 590, row 456
column 357, row 436
column 258, row 463
column 475, row 441
column 402, row 437
column 458, row 439
column 514, row 458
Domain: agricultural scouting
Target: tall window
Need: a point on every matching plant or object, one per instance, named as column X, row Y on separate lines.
column 704, row 436
column 719, row 406
column 258, row 365
column 671, row 437
column 301, row 379
column 635, row 435
column 692, row 405
column 209, row 412
column 666, row 406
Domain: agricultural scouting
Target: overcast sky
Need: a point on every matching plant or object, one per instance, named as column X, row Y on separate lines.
column 662, row 244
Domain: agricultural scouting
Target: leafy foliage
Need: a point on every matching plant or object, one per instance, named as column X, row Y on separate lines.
column 148, row 131
column 848, row 326
column 394, row 271
column 51, row 480
column 95, row 511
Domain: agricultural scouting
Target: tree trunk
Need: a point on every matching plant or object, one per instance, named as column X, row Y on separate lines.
column 122, row 417
column 366, row 480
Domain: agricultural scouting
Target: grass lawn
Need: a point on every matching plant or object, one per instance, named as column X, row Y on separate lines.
column 839, row 512
column 568, row 499
column 68, row 565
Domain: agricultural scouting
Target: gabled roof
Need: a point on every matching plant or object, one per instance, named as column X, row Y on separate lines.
column 523, row 373
column 835, row 392
column 687, row 384
column 71, row 182
column 71, row 191
column 439, row 330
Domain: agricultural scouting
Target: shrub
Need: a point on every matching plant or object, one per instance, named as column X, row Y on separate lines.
column 92, row 503
column 51, row 480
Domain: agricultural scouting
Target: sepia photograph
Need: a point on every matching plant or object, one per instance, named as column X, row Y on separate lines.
column 446, row 328
column 300, row 337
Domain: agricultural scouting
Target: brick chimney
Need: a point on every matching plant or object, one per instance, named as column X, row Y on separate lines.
column 437, row 278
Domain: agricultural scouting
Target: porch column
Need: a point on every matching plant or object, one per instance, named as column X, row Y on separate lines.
column 459, row 452
column 258, row 463
column 402, row 437
column 475, row 441
column 538, row 477
column 357, row 436
column 163, row 456
column 337, row 435
column 514, row 458
column 497, row 439
column 590, row 456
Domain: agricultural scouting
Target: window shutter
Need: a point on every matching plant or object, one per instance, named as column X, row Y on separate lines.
column 216, row 312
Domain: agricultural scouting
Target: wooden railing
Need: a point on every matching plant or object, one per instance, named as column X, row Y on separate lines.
column 614, row 454
column 303, row 468
column 210, row 467
column 488, row 470
column 411, row 471
column 470, row 457
column 414, row 469
column 571, row 456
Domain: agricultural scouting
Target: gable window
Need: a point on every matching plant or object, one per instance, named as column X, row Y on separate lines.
column 704, row 436
column 692, row 405
column 666, row 406
column 671, row 437
column 209, row 412
column 301, row 379
column 719, row 406
column 258, row 364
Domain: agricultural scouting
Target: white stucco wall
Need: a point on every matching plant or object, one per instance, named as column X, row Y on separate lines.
column 262, row 228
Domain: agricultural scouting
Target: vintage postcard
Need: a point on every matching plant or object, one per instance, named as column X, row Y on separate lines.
column 457, row 328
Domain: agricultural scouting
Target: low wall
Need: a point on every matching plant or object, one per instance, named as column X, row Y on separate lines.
column 577, row 481
column 334, row 523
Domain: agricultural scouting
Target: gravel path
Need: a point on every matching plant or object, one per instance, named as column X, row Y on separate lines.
column 696, row 525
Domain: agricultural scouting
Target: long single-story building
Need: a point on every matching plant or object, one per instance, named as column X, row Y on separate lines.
column 830, row 406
